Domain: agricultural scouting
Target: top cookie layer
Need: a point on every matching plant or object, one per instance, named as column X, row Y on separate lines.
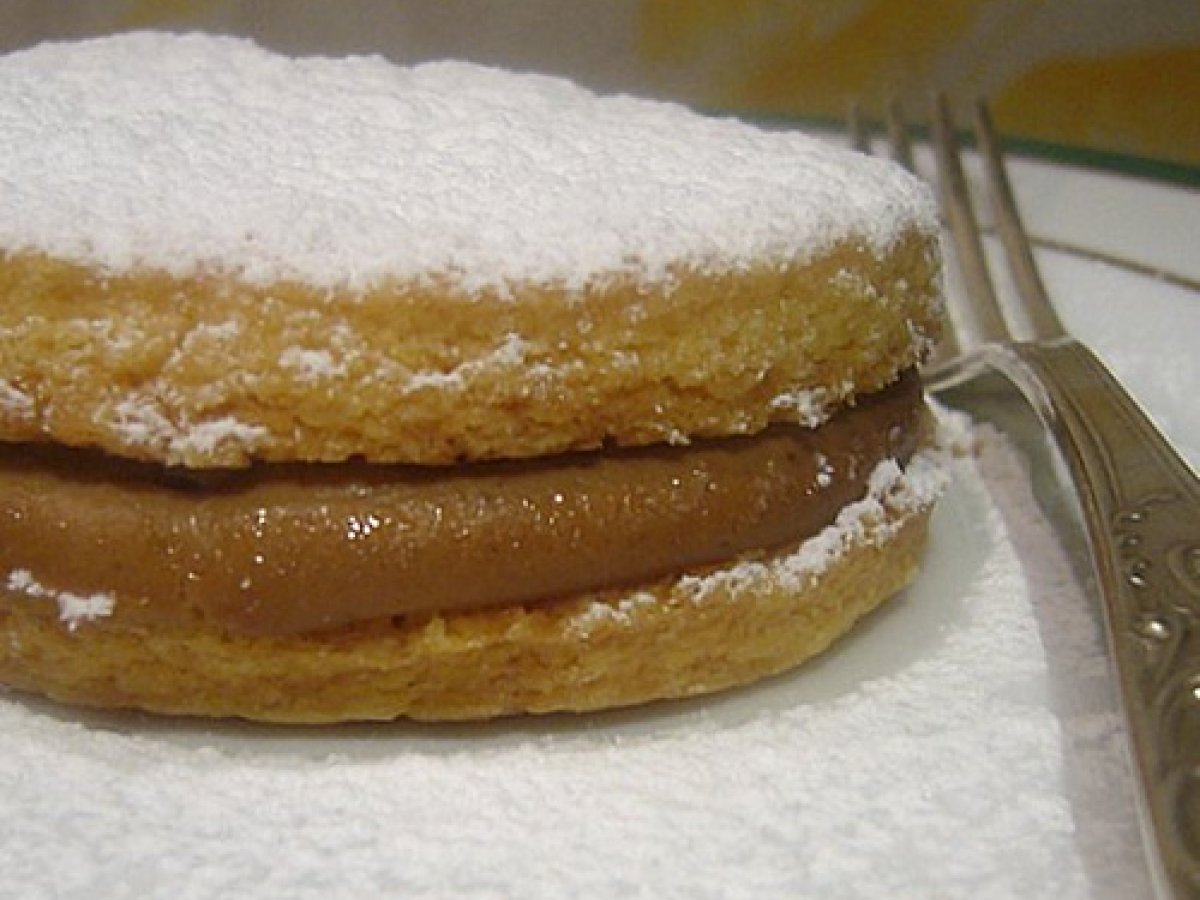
column 199, row 153
column 211, row 255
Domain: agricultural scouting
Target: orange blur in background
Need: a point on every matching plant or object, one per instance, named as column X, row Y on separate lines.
column 1114, row 76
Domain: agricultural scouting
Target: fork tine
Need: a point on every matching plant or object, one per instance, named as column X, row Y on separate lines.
column 1028, row 282
column 948, row 347
column 860, row 140
column 897, row 129
column 985, row 322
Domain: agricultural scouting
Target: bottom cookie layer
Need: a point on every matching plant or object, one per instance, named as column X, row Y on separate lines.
column 679, row 637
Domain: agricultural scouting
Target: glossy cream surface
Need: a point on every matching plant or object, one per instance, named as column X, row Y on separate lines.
column 284, row 549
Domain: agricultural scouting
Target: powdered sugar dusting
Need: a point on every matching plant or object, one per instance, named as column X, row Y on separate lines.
column 72, row 608
column 825, row 471
column 15, row 403
column 311, row 365
column 509, row 354
column 203, row 438
column 893, row 496
column 619, row 612
column 198, row 152
column 810, row 406
column 140, row 422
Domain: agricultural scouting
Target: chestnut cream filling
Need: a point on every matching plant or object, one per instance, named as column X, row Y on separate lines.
column 290, row 548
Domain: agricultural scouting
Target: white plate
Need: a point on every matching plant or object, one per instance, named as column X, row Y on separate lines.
column 963, row 742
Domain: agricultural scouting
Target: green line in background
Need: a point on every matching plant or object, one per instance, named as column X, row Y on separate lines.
column 1125, row 163
column 1083, row 157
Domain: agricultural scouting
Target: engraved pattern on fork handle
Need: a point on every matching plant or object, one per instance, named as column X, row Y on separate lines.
column 1141, row 506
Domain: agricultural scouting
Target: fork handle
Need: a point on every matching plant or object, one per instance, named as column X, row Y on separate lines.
column 1141, row 507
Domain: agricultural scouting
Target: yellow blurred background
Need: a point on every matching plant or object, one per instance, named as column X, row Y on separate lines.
column 1122, row 76
column 1116, row 76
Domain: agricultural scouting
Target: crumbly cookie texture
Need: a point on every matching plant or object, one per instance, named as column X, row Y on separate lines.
column 212, row 254
column 696, row 634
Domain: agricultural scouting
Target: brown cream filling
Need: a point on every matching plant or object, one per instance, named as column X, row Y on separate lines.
column 283, row 549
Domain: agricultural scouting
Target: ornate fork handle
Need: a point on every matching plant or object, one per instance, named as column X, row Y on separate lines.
column 1141, row 506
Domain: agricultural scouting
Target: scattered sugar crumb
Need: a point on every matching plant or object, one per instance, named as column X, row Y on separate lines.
column 14, row 402
column 211, row 332
column 311, row 365
column 202, row 438
column 510, row 354
column 619, row 612
column 139, row 422
column 856, row 283
column 811, row 407
column 955, row 430
column 72, row 608
column 825, row 471
column 677, row 438
column 116, row 337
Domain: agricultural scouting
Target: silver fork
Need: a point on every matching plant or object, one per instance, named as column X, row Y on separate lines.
column 1140, row 501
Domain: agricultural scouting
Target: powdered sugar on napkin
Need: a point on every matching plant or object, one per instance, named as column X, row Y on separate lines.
column 198, row 152
column 932, row 754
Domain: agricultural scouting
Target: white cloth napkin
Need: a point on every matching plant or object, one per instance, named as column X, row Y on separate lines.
column 935, row 753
